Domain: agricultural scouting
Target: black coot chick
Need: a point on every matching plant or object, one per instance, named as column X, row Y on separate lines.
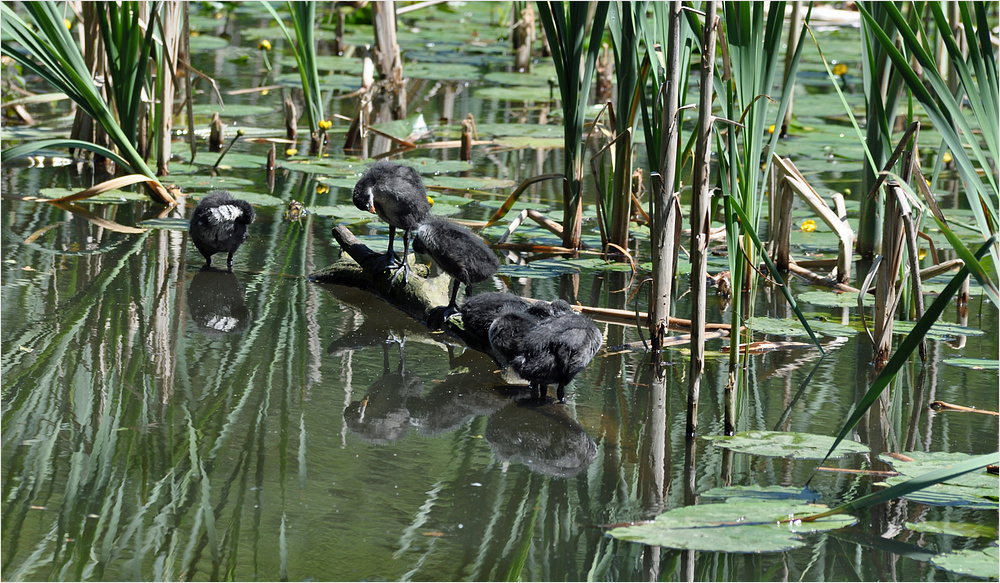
column 509, row 329
column 479, row 311
column 458, row 252
column 555, row 350
column 219, row 224
column 396, row 194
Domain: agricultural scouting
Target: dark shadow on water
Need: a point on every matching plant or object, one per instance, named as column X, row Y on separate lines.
column 216, row 301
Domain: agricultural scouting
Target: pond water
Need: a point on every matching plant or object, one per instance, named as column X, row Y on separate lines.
column 163, row 422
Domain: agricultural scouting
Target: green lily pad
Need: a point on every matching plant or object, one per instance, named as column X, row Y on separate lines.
column 792, row 327
column 204, row 42
column 205, row 182
column 543, row 268
column 441, row 71
column 786, row 444
column 974, row 490
column 974, row 363
column 111, row 196
column 253, row 198
column 833, row 299
column 735, row 527
column 966, row 529
column 938, row 331
column 469, row 182
column 974, row 563
column 345, row 213
column 232, row 111
column 518, row 94
column 494, row 130
column 757, row 492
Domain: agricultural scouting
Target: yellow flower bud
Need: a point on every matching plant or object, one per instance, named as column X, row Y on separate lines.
column 264, row 45
column 840, row 69
column 291, row 152
column 808, row 226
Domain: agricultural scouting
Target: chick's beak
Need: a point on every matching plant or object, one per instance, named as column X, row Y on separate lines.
column 371, row 209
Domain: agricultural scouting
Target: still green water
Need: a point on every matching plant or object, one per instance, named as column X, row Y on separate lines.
column 161, row 422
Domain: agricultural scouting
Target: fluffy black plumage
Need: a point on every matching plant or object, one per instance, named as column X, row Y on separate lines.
column 458, row 252
column 479, row 311
column 555, row 350
column 396, row 194
column 219, row 224
column 509, row 329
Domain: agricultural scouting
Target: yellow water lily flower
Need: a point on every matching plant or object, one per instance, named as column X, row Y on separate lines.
column 291, row 152
column 808, row 226
column 947, row 158
column 770, row 130
column 325, row 124
column 264, row 45
column 322, row 189
column 69, row 25
column 840, row 69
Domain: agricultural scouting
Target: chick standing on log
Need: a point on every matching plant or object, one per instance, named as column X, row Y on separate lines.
column 219, row 224
column 396, row 194
column 555, row 350
column 458, row 252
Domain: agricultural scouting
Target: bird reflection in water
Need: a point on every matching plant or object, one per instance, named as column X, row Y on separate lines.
column 215, row 300
column 546, row 439
column 382, row 415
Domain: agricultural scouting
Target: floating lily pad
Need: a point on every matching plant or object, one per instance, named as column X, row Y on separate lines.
column 735, row 527
column 344, row 213
column 786, row 444
column 494, row 130
column 974, row 363
column 469, row 182
column 966, row 529
column 833, row 299
column 757, row 492
column 441, row 71
column 111, row 196
column 205, row 42
column 253, row 198
column 330, row 63
column 974, row 490
column 543, row 268
column 232, row 111
column 538, row 77
column 938, row 331
column 519, row 94
column 974, row 563
column 792, row 327
column 205, row 182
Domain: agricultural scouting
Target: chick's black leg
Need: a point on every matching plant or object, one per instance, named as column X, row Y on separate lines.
column 229, row 260
column 392, row 237
column 561, row 393
column 405, row 267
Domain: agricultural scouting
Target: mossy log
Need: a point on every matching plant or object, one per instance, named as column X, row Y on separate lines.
column 366, row 269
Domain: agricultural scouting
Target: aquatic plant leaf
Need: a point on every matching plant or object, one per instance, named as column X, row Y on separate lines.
column 974, row 363
column 939, row 331
column 906, row 348
column 204, row 42
column 833, row 299
column 785, row 444
column 966, row 529
column 976, row 489
column 734, row 527
column 442, row 71
column 236, row 110
column 111, row 196
column 346, row 213
column 792, row 327
column 543, row 268
column 494, row 130
column 468, row 182
column 974, row 563
column 518, row 94
column 166, row 224
column 204, row 182
column 758, row 492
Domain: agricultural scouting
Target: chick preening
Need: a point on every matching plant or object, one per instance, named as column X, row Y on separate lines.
column 479, row 312
column 219, row 224
column 396, row 194
column 512, row 325
column 457, row 251
column 555, row 350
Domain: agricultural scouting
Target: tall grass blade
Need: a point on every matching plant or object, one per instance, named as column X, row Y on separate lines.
column 906, row 348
